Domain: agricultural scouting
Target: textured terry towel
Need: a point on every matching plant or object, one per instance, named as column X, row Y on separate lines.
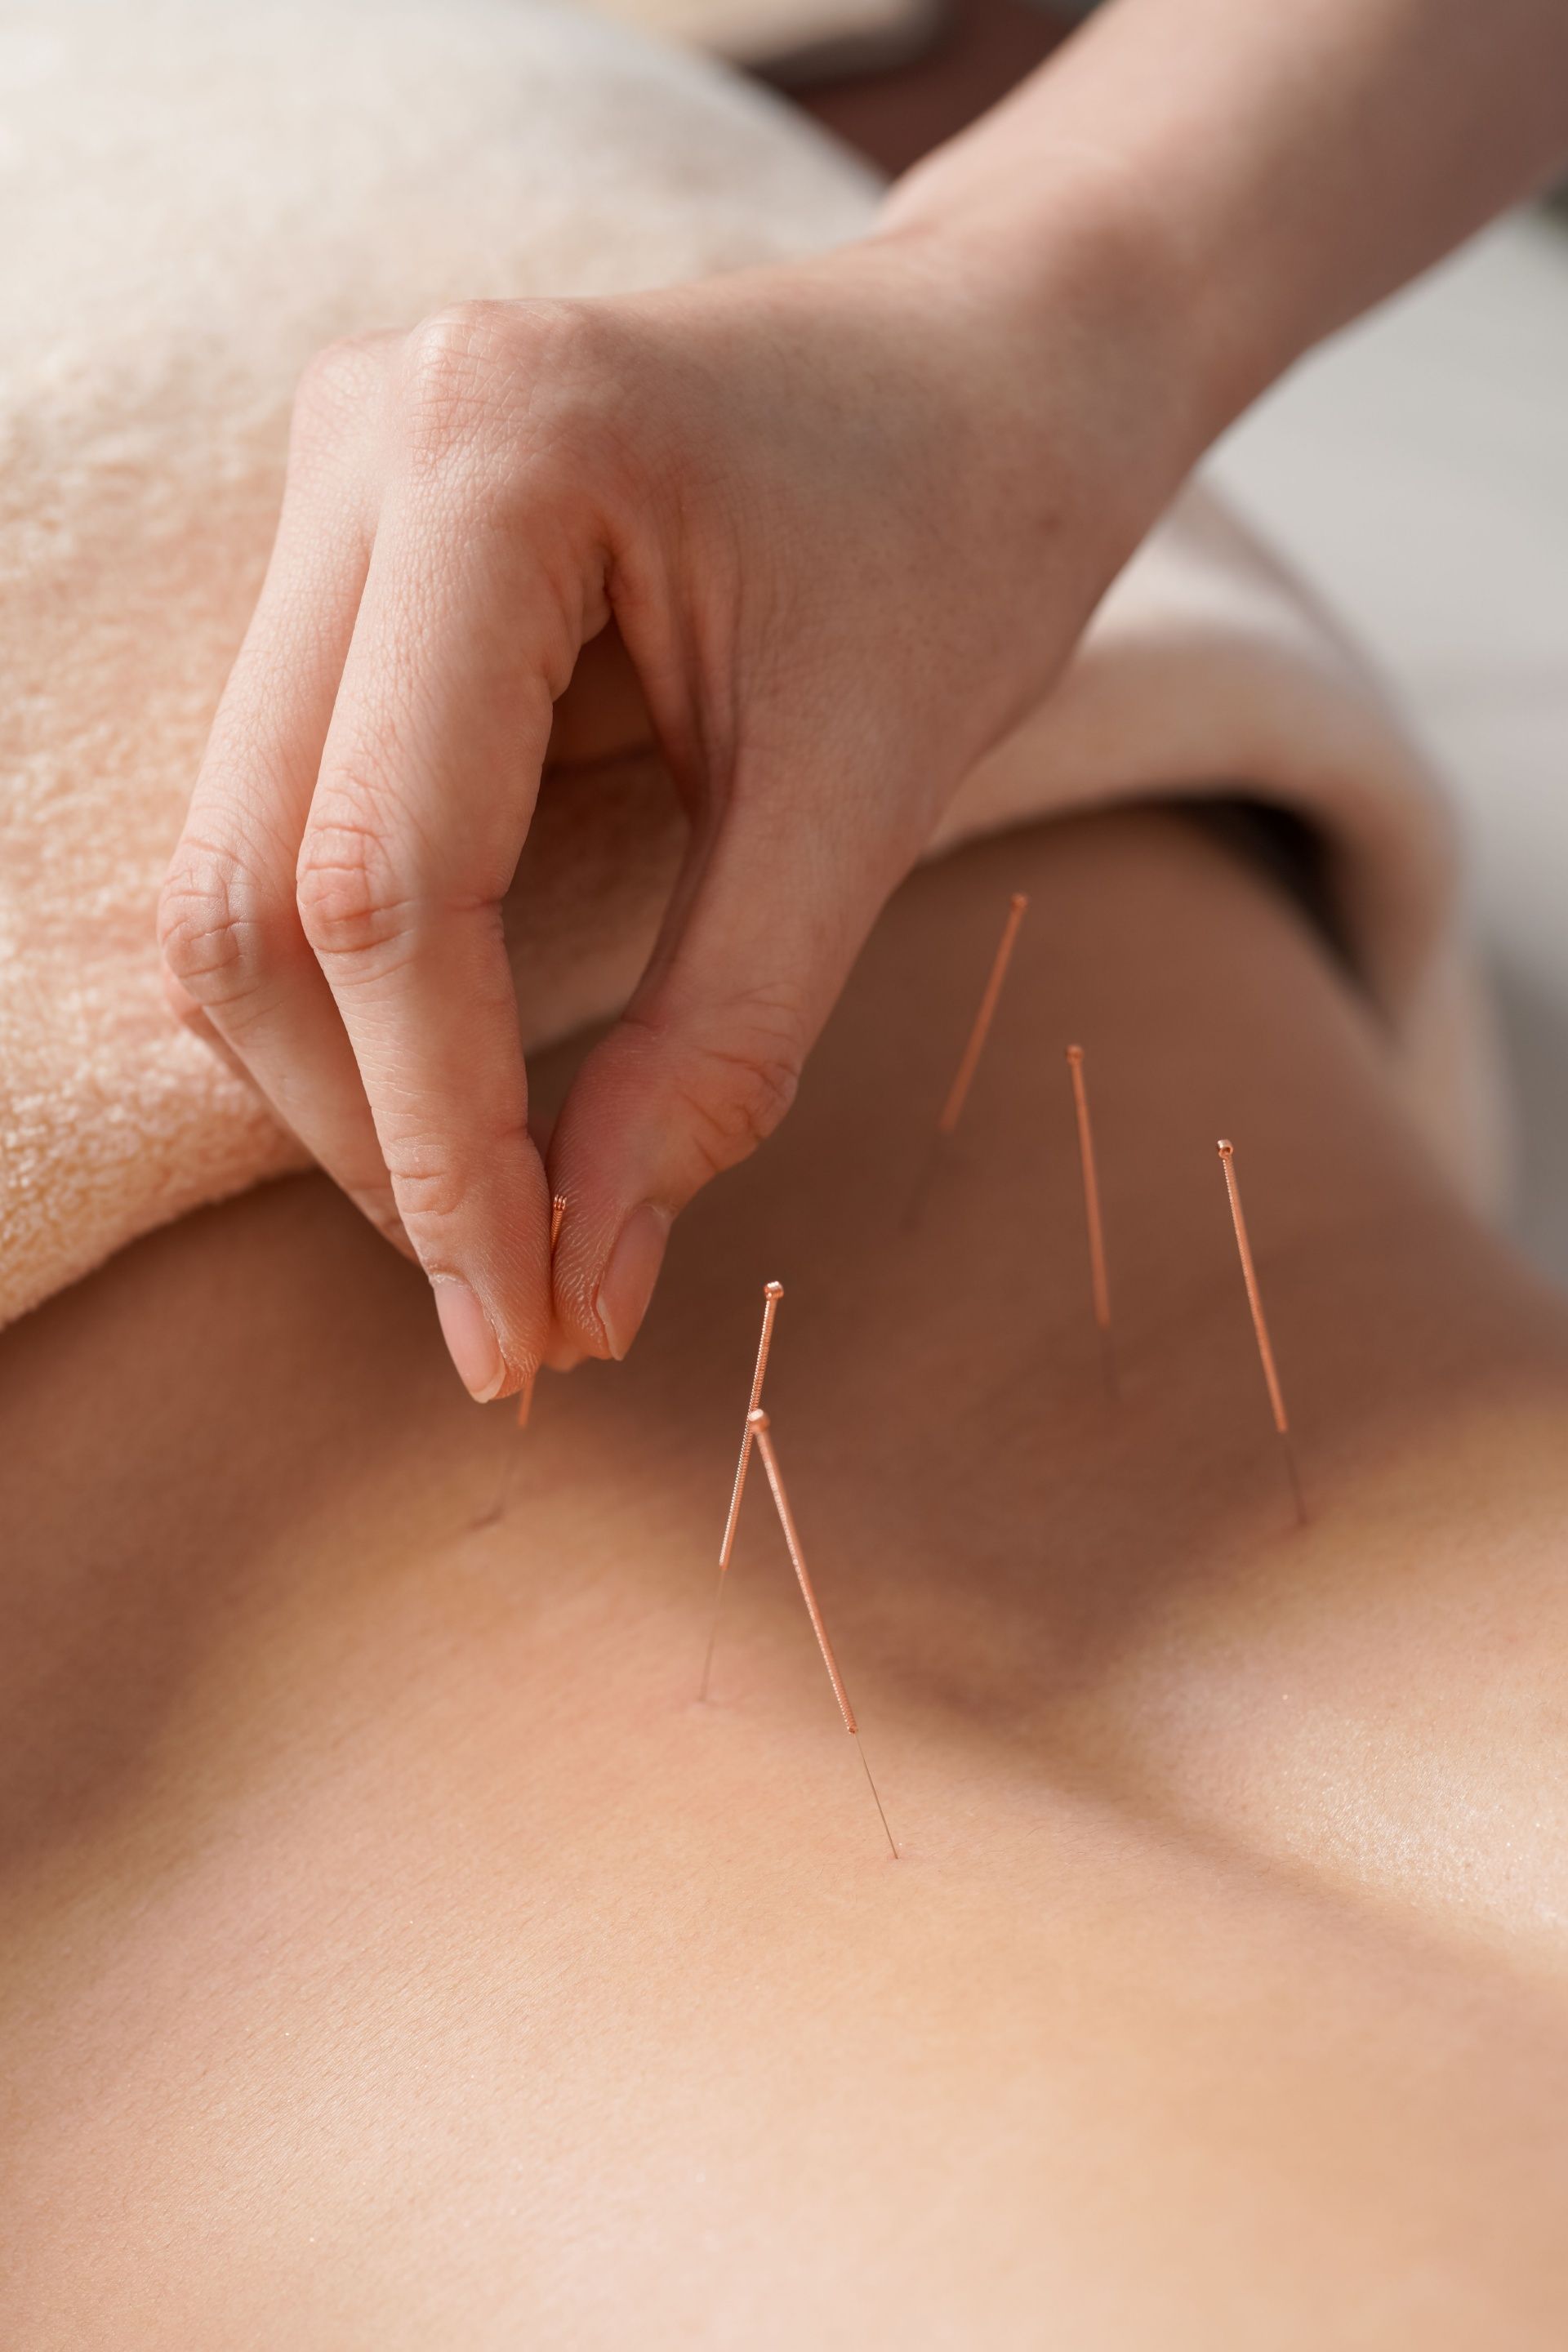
column 195, row 198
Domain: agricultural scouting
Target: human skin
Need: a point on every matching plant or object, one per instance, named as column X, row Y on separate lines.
column 842, row 522
column 396, row 1952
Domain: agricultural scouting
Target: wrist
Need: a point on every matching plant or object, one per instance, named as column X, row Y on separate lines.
column 1077, row 298
column 1056, row 221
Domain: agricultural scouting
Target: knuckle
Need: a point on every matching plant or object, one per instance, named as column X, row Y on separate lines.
column 452, row 367
column 352, row 904
column 216, row 924
column 428, row 1189
column 519, row 377
column 336, row 381
column 736, row 1093
column 557, row 339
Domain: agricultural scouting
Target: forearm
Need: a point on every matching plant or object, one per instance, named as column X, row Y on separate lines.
column 1268, row 172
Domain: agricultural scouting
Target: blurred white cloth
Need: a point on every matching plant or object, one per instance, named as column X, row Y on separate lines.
column 213, row 191
column 1417, row 469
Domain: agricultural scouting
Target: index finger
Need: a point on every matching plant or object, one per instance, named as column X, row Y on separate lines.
column 427, row 788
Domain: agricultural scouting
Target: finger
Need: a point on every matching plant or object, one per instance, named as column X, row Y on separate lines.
column 705, row 1061
column 229, row 924
column 189, row 1014
column 474, row 607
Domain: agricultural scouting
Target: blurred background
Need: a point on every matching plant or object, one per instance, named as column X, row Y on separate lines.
column 1415, row 470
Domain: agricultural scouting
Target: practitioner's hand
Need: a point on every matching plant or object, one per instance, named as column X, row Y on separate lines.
column 848, row 521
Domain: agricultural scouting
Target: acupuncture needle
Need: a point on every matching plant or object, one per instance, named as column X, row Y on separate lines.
column 525, row 1400
column 969, row 1062
column 1099, row 1285
column 772, row 1293
column 502, row 1502
column 759, row 1427
column 1260, row 1328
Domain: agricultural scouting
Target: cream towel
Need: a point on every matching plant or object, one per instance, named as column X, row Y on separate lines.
column 196, row 196
column 792, row 41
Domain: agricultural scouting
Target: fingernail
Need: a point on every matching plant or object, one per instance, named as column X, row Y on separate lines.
column 470, row 1342
column 626, row 1284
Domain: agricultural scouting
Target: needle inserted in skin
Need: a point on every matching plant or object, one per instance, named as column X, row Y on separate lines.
column 497, row 1509
column 525, row 1401
column 1260, row 1328
column 757, row 1426
column 1099, row 1286
column 773, row 1291
column 958, row 1093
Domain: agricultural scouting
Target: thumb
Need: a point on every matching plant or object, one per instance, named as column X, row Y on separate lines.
column 704, row 1062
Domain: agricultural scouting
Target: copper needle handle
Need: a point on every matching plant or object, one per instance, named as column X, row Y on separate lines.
column 525, row 1401
column 772, row 1293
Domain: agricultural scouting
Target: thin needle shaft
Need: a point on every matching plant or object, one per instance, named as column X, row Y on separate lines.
column 963, row 1078
column 1099, row 1285
column 773, row 1291
column 1260, row 1328
column 757, row 1423
column 498, row 1509
column 958, row 1093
